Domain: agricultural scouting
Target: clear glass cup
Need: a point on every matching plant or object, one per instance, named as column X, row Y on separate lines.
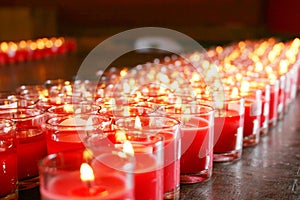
column 66, row 132
column 197, row 133
column 8, row 161
column 71, row 109
column 252, row 117
column 79, row 174
column 148, row 152
column 229, row 125
column 168, row 129
column 31, row 142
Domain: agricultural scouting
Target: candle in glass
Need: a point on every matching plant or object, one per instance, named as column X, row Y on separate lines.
column 79, row 175
column 168, row 129
column 31, row 142
column 66, row 132
column 8, row 161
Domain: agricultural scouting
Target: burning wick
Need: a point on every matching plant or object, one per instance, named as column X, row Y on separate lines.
column 87, row 176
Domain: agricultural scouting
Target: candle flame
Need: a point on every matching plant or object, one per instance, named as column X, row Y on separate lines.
column 138, row 123
column 68, row 108
column 86, row 172
column 127, row 148
column 120, row 136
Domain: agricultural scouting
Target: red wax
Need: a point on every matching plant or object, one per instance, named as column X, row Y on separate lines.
column 273, row 105
column 8, row 171
column 229, row 137
column 63, row 140
column 69, row 186
column 252, row 118
column 147, row 178
column 31, row 148
column 148, row 174
column 196, row 148
column 171, row 162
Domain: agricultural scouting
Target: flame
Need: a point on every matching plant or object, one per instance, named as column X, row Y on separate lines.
column 68, row 108
column 123, row 72
column 245, row 86
column 127, row 148
column 120, row 136
column 138, row 123
column 283, row 66
column 86, row 172
column 234, row 92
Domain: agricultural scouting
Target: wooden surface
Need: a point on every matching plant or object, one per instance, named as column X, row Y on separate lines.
column 270, row 170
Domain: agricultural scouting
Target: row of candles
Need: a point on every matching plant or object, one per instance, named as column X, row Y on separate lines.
column 26, row 50
column 139, row 133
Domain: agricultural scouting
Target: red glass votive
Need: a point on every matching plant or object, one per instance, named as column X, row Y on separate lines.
column 148, row 153
column 31, row 143
column 197, row 122
column 228, row 129
column 281, row 97
column 8, row 161
column 252, row 117
column 62, row 176
column 168, row 129
column 265, row 110
column 67, row 132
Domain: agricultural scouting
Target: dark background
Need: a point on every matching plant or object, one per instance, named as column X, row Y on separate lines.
column 210, row 22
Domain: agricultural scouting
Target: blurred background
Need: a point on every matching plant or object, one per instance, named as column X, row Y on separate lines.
column 210, row 22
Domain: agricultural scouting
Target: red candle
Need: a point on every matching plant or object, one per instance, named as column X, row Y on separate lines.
column 252, row 117
column 167, row 128
column 197, row 152
column 31, row 142
column 31, row 148
column 273, row 103
column 108, row 177
column 148, row 169
column 8, row 161
column 68, row 132
column 228, row 131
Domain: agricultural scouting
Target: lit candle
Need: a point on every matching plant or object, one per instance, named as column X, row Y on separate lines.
column 105, row 176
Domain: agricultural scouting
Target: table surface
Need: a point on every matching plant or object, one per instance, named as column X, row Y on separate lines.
column 270, row 170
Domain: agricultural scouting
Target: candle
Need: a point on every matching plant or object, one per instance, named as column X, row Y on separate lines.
column 196, row 140
column 31, row 142
column 168, row 129
column 148, row 156
column 229, row 121
column 252, row 116
column 71, row 175
column 67, row 132
column 8, row 161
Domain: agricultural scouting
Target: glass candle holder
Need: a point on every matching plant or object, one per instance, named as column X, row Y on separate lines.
column 31, row 143
column 148, row 155
column 168, row 129
column 67, row 132
column 15, row 101
column 8, row 161
column 229, row 124
column 71, row 109
column 197, row 122
column 252, row 117
column 79, row 174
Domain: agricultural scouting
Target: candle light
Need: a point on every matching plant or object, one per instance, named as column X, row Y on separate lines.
column 167, row 128
column 107, row 175
column 67, row 132
column 8, row 161
column 31, row 142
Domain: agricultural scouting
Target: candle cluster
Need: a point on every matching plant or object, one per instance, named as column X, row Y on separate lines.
column 199, row 108
column 26, row 50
